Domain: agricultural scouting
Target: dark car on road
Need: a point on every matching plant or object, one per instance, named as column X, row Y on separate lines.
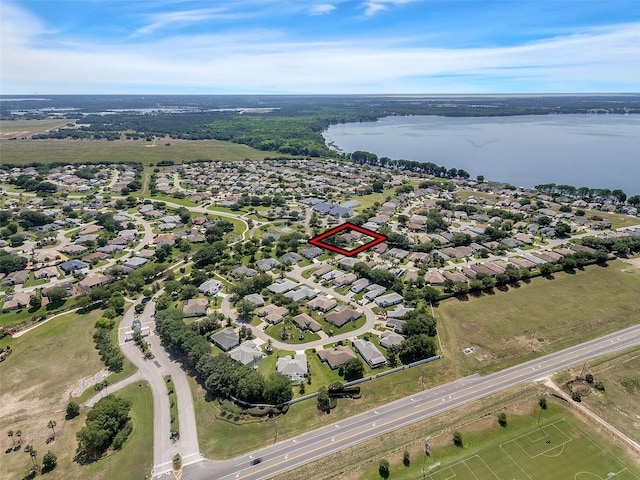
column 256, row 461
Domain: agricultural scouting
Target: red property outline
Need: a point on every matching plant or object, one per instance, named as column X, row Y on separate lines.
column 377, row 238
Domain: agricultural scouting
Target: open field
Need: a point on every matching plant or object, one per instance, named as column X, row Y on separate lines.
column 518, row 451
column 130, row 463
column 45, row 366
column 24, row 128
column 619, row 404
column 540, row 316
column 22, row 152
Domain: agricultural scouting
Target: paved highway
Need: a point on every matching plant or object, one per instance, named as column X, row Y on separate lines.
column 319, row 443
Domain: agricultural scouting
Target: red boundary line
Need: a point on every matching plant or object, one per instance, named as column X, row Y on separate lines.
column 377, row 238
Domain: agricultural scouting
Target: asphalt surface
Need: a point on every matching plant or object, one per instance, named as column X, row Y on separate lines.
column 319, row 443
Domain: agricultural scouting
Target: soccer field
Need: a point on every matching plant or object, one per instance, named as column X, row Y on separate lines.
column 556, row 451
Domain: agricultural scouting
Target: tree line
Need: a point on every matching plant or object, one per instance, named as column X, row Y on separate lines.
column 221, row 376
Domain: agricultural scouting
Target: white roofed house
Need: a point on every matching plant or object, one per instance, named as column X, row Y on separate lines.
column 295, row 368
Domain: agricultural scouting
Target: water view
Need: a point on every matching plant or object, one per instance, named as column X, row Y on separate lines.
column 595, row 151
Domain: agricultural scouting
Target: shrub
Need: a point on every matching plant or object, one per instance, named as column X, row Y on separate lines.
column 406, row 460
column 73, row 409
column 589, row 378
column 457, row 439
column 383, row 468
column 122, row 436
column 576, row 397
column 543, row 402
column 502, row 419
column 599, row 386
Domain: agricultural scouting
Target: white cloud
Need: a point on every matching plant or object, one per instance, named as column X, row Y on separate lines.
column 322, row 9
column 599, row 59
column 374, row 6
column 371, row 8
column 183, row 18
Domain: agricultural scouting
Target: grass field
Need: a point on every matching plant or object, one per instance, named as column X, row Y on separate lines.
column 619, row 404
column 45, row 366
column 539, row 317
column 519, row 451
column 20, row 128
column 21, row 152
column 559, row 450
column 131, row 463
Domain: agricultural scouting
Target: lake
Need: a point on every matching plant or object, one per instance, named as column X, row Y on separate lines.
column 595, row 151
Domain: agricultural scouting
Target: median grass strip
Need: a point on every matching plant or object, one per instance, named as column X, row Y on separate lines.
column 173, row 406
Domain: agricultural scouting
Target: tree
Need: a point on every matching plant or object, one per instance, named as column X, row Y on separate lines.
column 105, row 420
column 502, row 419
column 49, row 461
column 406, row 460
column 33, row 453
column 10, row 435
column 245, row 309
column 52, row 425
column 57, row 294
column 323, row 399
column 73, row 409
column 353, row 369
column 116, row 301
column 277, row 389
column 542, row 401
column 416, row 348
column 383, row 468
column 457, row 439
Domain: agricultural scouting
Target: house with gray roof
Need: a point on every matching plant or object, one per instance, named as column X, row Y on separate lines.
column 302, row 293
column 369, row 353
column 255, row 299
column 247, row 353
column 242, row 271
column 226, row 338
column 359, row 285
column 135, row 262
column 388, row 339
column 295, row 368
column 291, row 258
column 311, row 252
column 389, row 299
column 282, row 285
column 374, row 291
column 210, row 287
column 267, row 264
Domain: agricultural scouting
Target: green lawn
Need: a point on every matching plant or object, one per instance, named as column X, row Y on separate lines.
column 539, row 317
column 274, row 332
column 22, row 152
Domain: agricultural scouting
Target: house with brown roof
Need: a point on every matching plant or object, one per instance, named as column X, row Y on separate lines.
column 305, row 322
column 336, row 356
column 323, row 304
column 195, row 307
column 341, row 317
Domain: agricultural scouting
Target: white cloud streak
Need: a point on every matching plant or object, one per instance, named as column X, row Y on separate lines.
column 322, row 9
column 601, row 59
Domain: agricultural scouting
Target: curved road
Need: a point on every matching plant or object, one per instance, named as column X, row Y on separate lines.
column 317, row 444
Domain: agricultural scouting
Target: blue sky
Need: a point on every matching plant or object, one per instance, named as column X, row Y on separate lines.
column 319, row 47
